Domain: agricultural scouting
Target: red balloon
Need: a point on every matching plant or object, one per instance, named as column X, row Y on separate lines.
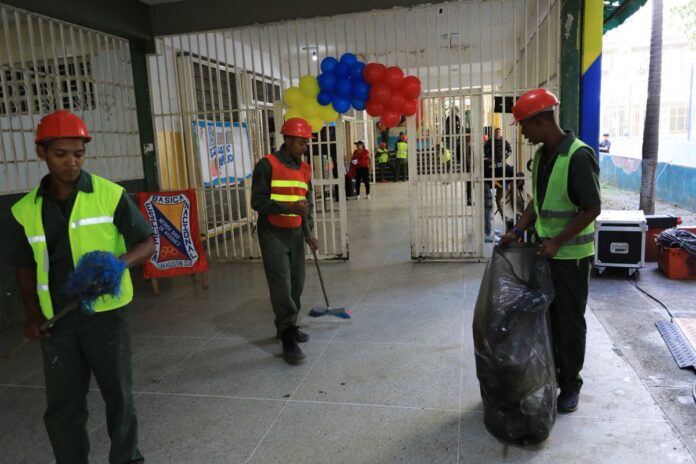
column 411, row 87
column 373, row 73
column 410, row 107
column 393, row 77
column 374, row 109
column 390, row 118
column 396, row 101
column 379, row 93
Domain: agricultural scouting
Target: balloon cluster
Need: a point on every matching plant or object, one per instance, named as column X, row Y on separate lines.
column 392, row 94
column 384, row 92
column 302, row 103
column 341, row 83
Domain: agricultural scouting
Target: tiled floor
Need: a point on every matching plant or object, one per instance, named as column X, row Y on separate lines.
column 396, row 384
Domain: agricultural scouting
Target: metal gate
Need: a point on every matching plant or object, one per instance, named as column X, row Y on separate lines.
column 474, row 59
column 47, row 65
column 217, row 109
column 216, row 97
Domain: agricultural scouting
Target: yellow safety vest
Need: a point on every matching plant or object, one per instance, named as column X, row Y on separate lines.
column 91, row 228
column 558, row 211
column 402, row 150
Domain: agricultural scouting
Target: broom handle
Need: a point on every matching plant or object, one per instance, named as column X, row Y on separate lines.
column 45, row 326
column 307, row 235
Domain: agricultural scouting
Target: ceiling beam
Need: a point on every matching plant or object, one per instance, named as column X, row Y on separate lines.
column 206, row 15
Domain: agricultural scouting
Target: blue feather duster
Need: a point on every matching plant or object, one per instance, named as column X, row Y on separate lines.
column 97, row 273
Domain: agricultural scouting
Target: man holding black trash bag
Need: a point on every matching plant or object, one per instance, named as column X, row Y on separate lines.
column 566, row 202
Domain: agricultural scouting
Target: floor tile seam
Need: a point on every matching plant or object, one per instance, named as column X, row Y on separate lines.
column 374, row 405
column 632, row 367
column 627, row 310
column 15, row 385
column 285, row 406
column 461, row 389
column 190, row 337
column 208, row 396
column 688, row 388
column 372, row 342
column 181, row 362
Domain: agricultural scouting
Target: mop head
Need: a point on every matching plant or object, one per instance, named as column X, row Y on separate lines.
column 98, row 273
column 343, row 313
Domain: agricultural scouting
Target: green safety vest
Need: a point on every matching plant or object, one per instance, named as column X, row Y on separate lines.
column 445, row 156
column 91, row 228
column 382, row 155
column 558, row 211
column 401, row 150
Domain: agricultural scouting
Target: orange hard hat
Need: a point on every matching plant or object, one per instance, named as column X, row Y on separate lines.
column 61, row 124
column 534, row 102
column 297, row 127
column 382, row 145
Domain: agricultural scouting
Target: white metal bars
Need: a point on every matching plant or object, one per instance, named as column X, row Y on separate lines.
column 46, row 65
column 217, row 110
column 474, row 58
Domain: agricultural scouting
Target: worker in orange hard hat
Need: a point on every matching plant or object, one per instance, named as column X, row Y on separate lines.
column 281, row 192
column 566, row 200
column 72, row 213
column 382, row 158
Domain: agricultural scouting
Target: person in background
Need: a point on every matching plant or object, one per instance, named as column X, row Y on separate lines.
column 401, row 157
column 445, row 156
column 567, row 200
column 495, row 153
column 361, row 161
column 605, row 145
column 382, row 160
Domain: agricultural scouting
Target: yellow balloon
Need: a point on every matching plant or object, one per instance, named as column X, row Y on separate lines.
column 316, row 124
column 293, row 113
column 309, row 107
column 327, row 113
column 293, row 97
column 309, row 86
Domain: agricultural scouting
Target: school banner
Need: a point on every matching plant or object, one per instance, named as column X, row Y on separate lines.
column 224, row 152
column 174, row 220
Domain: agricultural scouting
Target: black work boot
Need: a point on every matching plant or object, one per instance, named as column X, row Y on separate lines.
column 300, row 336
column 292, row 354
column 568, row 400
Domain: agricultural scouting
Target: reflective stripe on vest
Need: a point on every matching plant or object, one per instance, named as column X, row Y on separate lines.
column 402, row 150
column 91, row 228
column 288, row 186
column 557, row 210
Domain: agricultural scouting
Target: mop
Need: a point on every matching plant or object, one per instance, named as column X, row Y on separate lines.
column 98, row 273
column 319, row 311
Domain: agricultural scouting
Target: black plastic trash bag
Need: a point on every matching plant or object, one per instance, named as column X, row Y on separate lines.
column 512, row 340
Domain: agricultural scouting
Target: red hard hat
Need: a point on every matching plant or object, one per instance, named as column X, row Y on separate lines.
column 533, row 102
column 61, row 124
column 382, row 145
column 297, row 127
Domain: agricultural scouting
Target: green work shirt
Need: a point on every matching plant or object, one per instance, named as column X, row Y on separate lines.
column 261, row 191
column 55, row 215
column 583, row 174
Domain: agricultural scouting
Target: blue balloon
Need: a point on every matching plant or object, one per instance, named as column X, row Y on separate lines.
column 327, row 82
column 342, row 70
column 361, row 90
column 340, row 104
column 356, row 70
column 359, row 105
column 348, row 58
column 324, row 98
column 344, row 87
column 328, row 64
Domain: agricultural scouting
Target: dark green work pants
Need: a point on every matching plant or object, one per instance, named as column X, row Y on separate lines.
column 283, row 252
column 81, row 345
column 571, row 281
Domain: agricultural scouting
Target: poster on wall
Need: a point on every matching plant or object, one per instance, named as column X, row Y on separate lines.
column 224, row 152
column 178, row 247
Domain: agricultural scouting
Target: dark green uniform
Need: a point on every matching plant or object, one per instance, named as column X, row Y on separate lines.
column 80, row 344
column 570, row 276
column 283, row 250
